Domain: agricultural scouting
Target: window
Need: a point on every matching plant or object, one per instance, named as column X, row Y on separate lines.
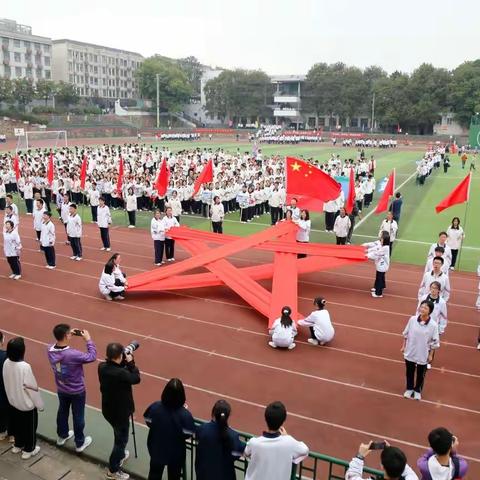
column 321, row 121
column 95, row 58
column 104, row 81
column 70, row 66
column 29, row 72
column 104, row 70
column 5, row 41
column 354, row 122
column 70, row 54
column 46, row 48
column 27, row 44
column 17, row 57
column 95, row 70
column 48, row 74
column 449, row 121
column 70, row 78
column 18, row 72
column 47, row 61
column 16, row 43
column 39, row 73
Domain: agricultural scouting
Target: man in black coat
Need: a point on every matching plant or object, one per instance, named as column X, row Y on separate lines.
column 117, row 375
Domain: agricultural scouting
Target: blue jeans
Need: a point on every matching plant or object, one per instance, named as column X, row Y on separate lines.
column 77, row 402
column 120, row 440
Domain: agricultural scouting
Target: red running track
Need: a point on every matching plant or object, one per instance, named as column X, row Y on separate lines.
column 337, row 396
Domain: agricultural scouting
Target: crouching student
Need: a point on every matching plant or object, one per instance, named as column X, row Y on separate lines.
column 108, row 285
column 321, row 328
column 283, row 331
column 393, row 460
column 441, row 461
column 379, row 251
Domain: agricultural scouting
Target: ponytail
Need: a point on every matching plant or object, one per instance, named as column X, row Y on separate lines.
column 286, row 320
column 221, row 413
column 320, row 303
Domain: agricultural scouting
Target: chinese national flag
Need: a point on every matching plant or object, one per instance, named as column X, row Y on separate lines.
column 306, row 180
column 50, row 169
column 206, row 176
column 306, row 203
column 120, row 177
column 16, row 167
column 387, row 193
column 458, row 195
column 351, row 193
column 162, row 180
column 83, row 172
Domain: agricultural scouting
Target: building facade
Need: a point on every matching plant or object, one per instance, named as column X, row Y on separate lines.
column 96, row 71
column 22, row 54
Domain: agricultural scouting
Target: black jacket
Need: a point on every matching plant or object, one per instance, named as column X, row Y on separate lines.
column 116, row 386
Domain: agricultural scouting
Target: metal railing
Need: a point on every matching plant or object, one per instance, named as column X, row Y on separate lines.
column 316, row 467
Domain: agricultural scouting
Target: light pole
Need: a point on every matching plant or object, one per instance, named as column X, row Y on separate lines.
column 373, row 113
column 158, row 100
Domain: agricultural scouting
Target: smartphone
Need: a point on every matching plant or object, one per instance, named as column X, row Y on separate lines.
column 378, row 445
column 77, row 332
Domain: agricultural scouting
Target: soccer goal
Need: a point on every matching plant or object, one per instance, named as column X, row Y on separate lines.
column 42, row 139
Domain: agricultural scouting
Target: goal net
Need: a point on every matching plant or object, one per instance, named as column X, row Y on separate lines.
column 42, row 139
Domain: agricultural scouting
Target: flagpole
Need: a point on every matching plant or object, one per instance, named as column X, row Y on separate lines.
column 465, row 218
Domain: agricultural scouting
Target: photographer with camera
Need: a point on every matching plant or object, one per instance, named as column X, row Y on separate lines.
column 117, row 375
column 393, row 460
column 67, row 365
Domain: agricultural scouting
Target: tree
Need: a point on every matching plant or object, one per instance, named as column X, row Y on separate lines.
column 67, row 94
column 45, row 89
column 193, row 69
column 174, row 87
column 6, row 90
column 465, row 91
column 23, row 91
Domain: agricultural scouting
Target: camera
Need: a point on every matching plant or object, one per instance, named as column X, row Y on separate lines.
column 131, row 347
column 77, row 332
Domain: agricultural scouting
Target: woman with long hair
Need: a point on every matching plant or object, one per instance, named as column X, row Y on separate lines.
column 131, row 206
column 379, row 252
column 456, row 235
column 170, row 424
column 319, row 323
column 304, row 226
column 283, row 331
column 113, row 281
column 218, row 446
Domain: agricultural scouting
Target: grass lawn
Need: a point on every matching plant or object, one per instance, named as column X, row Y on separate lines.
column 419, row 224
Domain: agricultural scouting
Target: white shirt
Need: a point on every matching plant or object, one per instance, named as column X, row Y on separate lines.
column 271, row 456
column 47, row 235
column 380, row 254
column 282, row 336
column 303, row 232
column 104, row 219
column 169, row 222
column 439, row 313
column 107, row 284
column 390, row 227
column 421, row 338
column 455, row 237
column 176, row 206
column 64, row 212
column 11, row 244
column 131, row 203
column 321, row 323
column 157, row 229
column 342, row 226
column 38, row 218
column 217, row 212
column 447, row 255
column 93, row 196
column 430, row 277
column 74, row 226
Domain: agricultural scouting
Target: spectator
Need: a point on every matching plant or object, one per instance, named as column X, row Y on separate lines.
column 24, row 398
column 272, row 454
column 117, row 375
column 441, row 461
column 396, row 207
column 67, row 365
column 218, row 446
column 170, row 423
column 393, row 460
column 5, row 428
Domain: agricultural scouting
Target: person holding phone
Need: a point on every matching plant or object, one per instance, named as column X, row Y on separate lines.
column 393, row 460
column 67, row 366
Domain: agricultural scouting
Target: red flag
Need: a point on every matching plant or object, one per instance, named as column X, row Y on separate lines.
column 83, row 172
column 50, row 169
column 16, row 167
column 162, row 179
column 351, row 193
column 120, row 177
column 458, row 195
column 387, row 193
column 307, row 180
column 206, row 176
column 306, row 203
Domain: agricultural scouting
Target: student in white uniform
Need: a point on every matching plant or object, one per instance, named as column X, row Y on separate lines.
column 131, row 206
column 456, row 236
column 47, row 240
column 11, row 247
column 341, row 227
column 379, row 251
column 104, row 219
column 107, row 285
column 38, row 217
column 10, row 217
column 439, row 252
column 420, row 339
column 390, row 226
column 217, row 214
column 93, row 196
column 442, row 242
column 175, row 204
column 64, row 213
column 304, row 226
column 157, row 231
column 74, row 232
column 433, row 275
column 9, row 200
column 283, row 331
column 169, row 221
column 319, row 323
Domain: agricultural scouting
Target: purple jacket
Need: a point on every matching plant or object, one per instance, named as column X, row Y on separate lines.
column 67, row 365
column 422, row 464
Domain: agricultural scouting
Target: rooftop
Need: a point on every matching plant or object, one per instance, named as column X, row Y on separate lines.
column 84, row 44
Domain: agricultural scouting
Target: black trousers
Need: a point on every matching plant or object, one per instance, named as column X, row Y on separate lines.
column 94, row 209
column 158, row 246
column 76, row 245
column 274, row 214
column 341, row 240
column 5, row 424
column 379, row 282
column 131, row 217
column 49, row 255
column 244, row 215
column 24, row 428
column 105, row 235
column 410, row 368
column 29, row 205
column 329, row 221
column 38, row 232
column 156, row 471
column 14, row 263
column 454, row 257
column 169, row 248
column 217, row 227
column 2, row 203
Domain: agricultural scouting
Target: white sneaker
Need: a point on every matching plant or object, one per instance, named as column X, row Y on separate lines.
column 50, row 267
column 374, row 295
column 86, row 443
column 62, row 441
column 11, row 276
column 119, row 298
column 158, row 264
column 78, row 259
column 125, row 458
column 119, row 475
column 408, row 393
column 272, row 344
column 103, row 248
column 16, row 450
column 17, row 277
column 73, row 257
column 108, row 249
column 429, row 366
column 452, row 268
column 27, row 455
column 417, row 396
column 131, row 226
column 292, row 346
column 108, row 297
column 478, row 346
column 372, row 289
column 313, row 341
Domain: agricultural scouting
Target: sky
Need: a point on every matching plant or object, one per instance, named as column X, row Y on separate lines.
column 276, row 36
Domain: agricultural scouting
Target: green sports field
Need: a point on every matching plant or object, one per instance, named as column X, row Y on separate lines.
column 419, row 224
